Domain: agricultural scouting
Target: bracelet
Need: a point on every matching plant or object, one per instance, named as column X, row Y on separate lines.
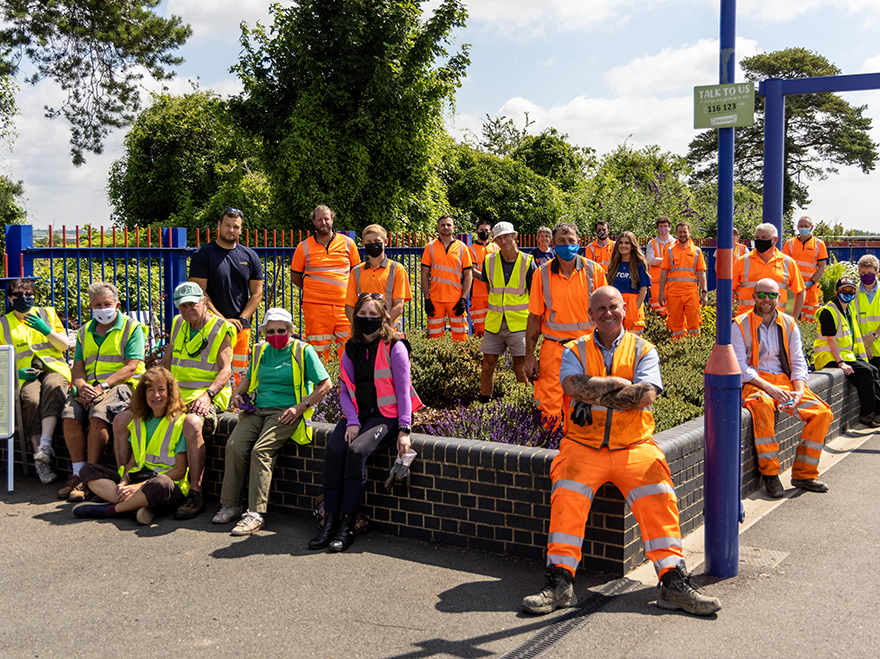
column 839, row 364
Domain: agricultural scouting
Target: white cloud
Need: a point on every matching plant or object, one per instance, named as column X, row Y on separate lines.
column 527, row 18
column 871, row 65
column 216, row 19
column 778, row 11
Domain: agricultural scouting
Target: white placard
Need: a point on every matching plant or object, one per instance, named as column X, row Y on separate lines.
column 7, row 391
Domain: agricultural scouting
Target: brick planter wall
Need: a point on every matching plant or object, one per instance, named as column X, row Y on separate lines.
column 496, row 497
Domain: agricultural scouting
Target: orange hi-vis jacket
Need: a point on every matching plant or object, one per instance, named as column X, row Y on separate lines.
column 564, row 302
column 325, row 269
column 389, row 279
column 683, row 263
column 807, row 255
column 748, row 324
column 601, row 255
column 739, row 250
column 447, row 267
column 617, row 429
column 386, row 395
column 659, row 251
column 750, row 269
column 478, row 255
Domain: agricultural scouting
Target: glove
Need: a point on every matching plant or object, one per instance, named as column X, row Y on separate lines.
column 37, row 323
column 810, row 284
column 247, row 405
column 582, row 414
column 429, row 307
column 460, row 307
column 28, row 374
column 399, row 474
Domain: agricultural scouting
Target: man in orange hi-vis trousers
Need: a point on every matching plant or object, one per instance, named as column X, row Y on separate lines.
column 446, row 281
column 600, row 249
column 683, row 284
column 559, row 311
column 321, row 267
column 767, row 343
column 654, row 253
column 480, row 249
column 612, row 378
column 811, row 256
column 766, row 261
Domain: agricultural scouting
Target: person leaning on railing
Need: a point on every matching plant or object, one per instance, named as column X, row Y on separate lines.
column 108, row 359
column 39, row 340
column 285, row 381
column 153, row 480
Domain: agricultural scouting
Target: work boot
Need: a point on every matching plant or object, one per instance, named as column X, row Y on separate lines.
column 328, row 531
column 774, row 487
column 81, row 493
column 345, row 535
column 69, row 486
column 559, row 592
column 810, row 484
column 676, row 592
column 191, row 507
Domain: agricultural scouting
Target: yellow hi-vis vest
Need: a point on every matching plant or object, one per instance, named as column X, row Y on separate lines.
column 850, row 347
column 30, row 343
column 195, row 373
column 102, row 361
column 157, row 451
column 301, row 388
column 867, row 314
column 507, row 299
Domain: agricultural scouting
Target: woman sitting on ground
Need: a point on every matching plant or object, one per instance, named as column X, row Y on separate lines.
column 628, row 273
column 154, row 480
column 276, row 408
column 377, row 402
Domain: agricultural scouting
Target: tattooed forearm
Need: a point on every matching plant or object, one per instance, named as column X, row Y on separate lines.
column 629, row 398
column 591, row 389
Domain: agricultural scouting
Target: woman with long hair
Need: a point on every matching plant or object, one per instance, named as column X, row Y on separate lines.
column 628, row 273
column 377, row 402
column 153, row 481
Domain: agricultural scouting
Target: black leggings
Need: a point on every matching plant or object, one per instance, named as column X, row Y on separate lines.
column 866, row 380
column 345, row 465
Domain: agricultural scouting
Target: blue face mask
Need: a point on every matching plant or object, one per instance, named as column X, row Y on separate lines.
column 566, row 252
column 804, row 231
column 846, row 298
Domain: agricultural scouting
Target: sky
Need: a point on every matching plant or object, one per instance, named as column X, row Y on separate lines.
column 603, row 71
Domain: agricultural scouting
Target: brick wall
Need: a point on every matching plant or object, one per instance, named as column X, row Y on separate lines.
column 496, row 497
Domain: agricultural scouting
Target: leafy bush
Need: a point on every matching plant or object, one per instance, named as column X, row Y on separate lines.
column 835, row 270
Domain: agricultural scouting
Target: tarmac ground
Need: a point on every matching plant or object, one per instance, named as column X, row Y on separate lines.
column 113, row 588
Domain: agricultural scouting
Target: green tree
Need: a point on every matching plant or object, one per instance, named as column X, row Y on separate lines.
column 500, row 136
column 93, row 50
column 550, row 155
column 347, row 96
column 822, row 131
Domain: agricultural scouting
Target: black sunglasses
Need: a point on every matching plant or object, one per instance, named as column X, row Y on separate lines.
column 17, row 294
column 232, row 210
column 375, row 296
column 202, row 346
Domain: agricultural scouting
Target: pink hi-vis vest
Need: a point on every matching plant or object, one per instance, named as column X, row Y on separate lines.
column 386, row 397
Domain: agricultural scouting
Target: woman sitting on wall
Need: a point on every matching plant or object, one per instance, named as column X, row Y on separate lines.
column 154, row 481
column 377, row 402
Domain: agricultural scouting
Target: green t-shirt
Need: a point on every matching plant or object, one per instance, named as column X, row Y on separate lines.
column 134, row 348
column 275, row 388
column 152, row 423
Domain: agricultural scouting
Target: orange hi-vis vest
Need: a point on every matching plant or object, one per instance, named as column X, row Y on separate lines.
column 739, row 250
column 567, row 300
column 779, row 268
column 748, row 324
column 601, row 255
column 386, row 395
column 617, row 429
column 326, row 269
column 390, row 272
column 446, row 269
column 684, row 262
column 479, row 253
column 660, row 250
column 807, row 255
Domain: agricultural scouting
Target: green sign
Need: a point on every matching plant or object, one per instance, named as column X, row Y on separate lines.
column 724, row 106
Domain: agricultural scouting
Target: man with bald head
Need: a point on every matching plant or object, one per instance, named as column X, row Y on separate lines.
column 767, row 343
column 612, row 377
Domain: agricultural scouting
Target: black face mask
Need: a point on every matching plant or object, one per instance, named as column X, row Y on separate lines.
column 23, row 304
column 374, row 249
column 763, row 245
column 366, row 325
column 483, row 235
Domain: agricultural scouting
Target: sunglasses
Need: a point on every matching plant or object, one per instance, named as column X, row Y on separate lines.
column 762, row 295
column 375, row 296
column 232, row 210
column 273, row 332
column 18, row 294
column 202, row 345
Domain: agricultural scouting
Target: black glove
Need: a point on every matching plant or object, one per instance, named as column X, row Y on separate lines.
column 460, row 307
column 582, row 414
column 429, row 307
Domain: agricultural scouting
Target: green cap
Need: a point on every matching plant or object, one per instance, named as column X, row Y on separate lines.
column 188, row 291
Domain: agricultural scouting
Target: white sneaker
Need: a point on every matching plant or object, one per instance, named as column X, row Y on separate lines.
column 45, row 473
column 45, row 454
column 226, row 514
column 250, row 523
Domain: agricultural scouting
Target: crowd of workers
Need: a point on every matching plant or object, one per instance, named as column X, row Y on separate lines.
column 594, row 371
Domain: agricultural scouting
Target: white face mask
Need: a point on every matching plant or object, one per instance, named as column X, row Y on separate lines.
column 104, row 316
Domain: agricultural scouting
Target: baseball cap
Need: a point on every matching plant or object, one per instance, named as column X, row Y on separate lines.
column 276, row 313
column 502, row 229
column 188, row 291
column 845, row 281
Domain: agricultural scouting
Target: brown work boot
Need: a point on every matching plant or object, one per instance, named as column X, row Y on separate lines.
column 677, row 592
column 558, row 592
column 69, row 486
column 191, row 507
column 81, row 493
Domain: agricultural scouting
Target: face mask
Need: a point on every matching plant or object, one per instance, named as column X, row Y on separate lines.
column 483, row 235
column 23, row 304
column 663, row 231
column 374, row 249
column 805, row 231
column 566, row 252
column 763, row 245
column 602, row 234
column 366, row 325
column 846, row 298
column 104, row 316
column 278, row 341
column 868, row 278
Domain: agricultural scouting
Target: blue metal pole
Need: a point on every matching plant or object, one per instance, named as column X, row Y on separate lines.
column 722, row 507
column 774, row 152
column 175, row 270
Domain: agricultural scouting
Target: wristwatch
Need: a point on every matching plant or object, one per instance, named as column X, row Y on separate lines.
column 406, row 429
column 104, row 386
column 210, row 393
column 245, row 323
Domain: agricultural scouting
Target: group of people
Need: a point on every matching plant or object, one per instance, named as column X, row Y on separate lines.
column 594, row 372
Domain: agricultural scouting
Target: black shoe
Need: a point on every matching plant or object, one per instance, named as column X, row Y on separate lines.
column 192, row 506
column 558, row 592
column 91, row 510
column 810, row 484
column 774, row 487
column 328, row 531
column 676, row 592
column 869, row 421
column 345, row 535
